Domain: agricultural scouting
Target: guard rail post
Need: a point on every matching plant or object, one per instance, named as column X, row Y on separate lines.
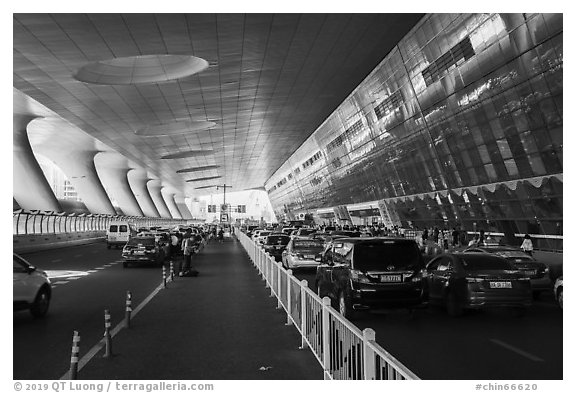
column 369, row 372
column 74, row 358
column 303, row 286
column 279, row 283
column 326, row 337
column 288, row 298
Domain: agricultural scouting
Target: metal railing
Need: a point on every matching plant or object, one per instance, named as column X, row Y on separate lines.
column 343, row 350
column 37, row 222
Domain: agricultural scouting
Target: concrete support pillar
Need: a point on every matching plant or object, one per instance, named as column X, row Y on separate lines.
column 181, row 204
column 30, row 187
column 168, row 196
column 113, row 170
column 138, row 179
column 154, row 188
column 81, row 172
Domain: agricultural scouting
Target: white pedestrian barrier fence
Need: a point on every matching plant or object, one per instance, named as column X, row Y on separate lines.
column 344, row 351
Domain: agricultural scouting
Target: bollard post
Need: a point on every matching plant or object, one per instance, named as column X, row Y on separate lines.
column 128, row 309
column 303, row 312
column 326, row 336
column 171, row 270
column 369, row 372
column 164, row 275
column 107, row 337
column 289, row 297
column 74, row 358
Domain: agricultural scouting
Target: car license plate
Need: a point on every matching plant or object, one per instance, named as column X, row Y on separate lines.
column 138, row 252
column 530, row 272
column 309, row 256
column 500, row 284
column 391, row 278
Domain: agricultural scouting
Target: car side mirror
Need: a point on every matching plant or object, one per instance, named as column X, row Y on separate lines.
column 31, row 269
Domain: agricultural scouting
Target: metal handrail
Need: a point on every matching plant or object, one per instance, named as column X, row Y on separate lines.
column 343, row 350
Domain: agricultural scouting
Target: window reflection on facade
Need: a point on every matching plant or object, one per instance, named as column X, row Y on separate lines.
column 461, row 124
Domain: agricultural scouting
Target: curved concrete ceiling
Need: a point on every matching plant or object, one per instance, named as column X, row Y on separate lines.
column 271, row 80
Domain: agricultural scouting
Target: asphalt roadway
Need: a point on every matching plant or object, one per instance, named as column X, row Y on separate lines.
column 221, row 325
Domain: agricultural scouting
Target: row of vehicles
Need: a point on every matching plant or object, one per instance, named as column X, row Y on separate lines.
column 360, row 273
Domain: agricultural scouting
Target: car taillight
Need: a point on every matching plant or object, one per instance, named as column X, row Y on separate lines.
column 357, row 275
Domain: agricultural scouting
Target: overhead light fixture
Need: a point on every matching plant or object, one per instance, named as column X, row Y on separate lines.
column 200, row 188
column 198, row 169
column 204, row 178
column 174, row 128
column 187, row 154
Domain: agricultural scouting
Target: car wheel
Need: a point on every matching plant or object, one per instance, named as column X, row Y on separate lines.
column 454, row 305
column 124, row 265
column 41, row 303
column 560, row 296
column 345, row 307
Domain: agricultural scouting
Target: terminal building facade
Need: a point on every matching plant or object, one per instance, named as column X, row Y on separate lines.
column 459, row 125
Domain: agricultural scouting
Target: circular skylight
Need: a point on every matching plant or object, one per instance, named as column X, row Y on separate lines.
column 140, row 69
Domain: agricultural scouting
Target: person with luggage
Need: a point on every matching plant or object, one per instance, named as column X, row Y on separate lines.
column 188, row 249
column 221, row 235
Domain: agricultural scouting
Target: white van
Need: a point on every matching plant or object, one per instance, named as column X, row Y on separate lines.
column 118, row 233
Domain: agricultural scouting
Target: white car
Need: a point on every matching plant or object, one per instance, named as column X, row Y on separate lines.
column 302, row 252
column 32, row 288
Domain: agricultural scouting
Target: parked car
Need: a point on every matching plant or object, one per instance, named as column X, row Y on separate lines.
column 260, row 237
column 538, row 272
column 345, row 233
column 304, row 232
column 364, row 273
column 31, row 288
column 276, row 243
column 302, row 252
column 143, row 250
column 467, row 280
column 559, row 290
column 118, row 233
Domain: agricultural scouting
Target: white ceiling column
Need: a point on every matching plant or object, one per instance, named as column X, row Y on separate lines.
column 168, row 195
column 181, row 204
column 138, row 178
column 113, row 170
column 154, row 188
column 30, row 187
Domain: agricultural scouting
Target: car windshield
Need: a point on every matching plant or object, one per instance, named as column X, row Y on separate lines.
column 145, row 241
column 264, row 233
column 311, row 245
column 475, row 262
column 278, row 240
column 378, row 255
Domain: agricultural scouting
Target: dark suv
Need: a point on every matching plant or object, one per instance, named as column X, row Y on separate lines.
column 363, row 273
column 276, row 243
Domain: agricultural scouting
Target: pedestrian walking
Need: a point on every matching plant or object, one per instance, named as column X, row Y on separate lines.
column 527, row 245
column 188, row 248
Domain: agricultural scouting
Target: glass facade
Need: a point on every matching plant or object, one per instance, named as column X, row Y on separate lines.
column 460, row 124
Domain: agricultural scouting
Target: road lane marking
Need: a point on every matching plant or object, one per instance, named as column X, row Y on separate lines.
column 56, row 260
column 98, row 347
column 73, row 278
column 92, row 271
column 99, row 268
column 534, row 358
